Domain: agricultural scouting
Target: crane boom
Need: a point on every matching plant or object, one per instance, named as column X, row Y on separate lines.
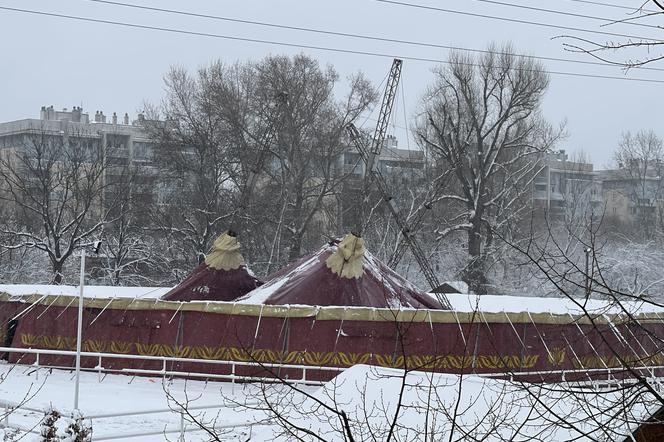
column 415, row 221
column 373, row 174
column 385, row 112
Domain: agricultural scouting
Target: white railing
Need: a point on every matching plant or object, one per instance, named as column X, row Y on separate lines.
column 164, row 360
column 593, row 376
column 181, row 429
column 8, row 408
column 163, row 372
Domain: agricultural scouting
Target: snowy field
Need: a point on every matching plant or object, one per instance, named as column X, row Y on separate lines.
column 117, row 394
column 483, row 408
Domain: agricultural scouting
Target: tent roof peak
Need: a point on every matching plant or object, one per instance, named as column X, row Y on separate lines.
column 225, row 254
column 347, row 261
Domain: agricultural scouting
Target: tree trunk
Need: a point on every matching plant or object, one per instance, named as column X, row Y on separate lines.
column 295, row 247
column 57, row 272
column 295, row 243
column 475, row 274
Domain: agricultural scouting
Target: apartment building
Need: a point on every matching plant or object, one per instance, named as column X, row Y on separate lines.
column 563, row 185
column 392, row 160
column 634, row 194
column 124, row 144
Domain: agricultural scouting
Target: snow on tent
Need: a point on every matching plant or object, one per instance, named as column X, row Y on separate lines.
column 223, row 276
column 340, row 274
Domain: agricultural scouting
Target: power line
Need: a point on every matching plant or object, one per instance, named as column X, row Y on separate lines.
column 306, row 46
column 516, row 20
column 612, row 5
column 348, row 34
column 565, row 13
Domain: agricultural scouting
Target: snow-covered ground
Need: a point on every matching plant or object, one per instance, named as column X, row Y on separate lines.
column 118, row 394
column 476, row 407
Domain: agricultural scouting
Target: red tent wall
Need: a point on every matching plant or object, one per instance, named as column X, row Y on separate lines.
column 422, row 339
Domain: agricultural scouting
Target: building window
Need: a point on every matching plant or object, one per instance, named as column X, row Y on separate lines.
column 351, row 158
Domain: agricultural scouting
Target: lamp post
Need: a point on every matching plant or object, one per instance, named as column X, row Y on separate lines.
column 79, row 329
column 79, row 325
column 588, row 250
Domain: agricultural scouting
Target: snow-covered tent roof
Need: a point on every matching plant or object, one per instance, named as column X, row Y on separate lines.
column 462, row 302
column 223, row 276
column 91, row 291
column 340, row 274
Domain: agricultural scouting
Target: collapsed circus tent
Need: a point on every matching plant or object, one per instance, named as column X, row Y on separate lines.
column 340, row 274
column 223, row 276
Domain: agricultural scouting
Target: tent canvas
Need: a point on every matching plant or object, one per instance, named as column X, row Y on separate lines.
column 223, row 276
column 341, row 273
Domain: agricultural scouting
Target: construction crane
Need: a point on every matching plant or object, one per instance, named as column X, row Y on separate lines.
column 415, row 221
column 372, row 174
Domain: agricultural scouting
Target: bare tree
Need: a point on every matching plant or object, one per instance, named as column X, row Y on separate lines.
column 303, row 163
column 131, row 255
column 634, row 344
column 640, row 160
column 631, row 51
column 261, row 148
column 55, row 184
column 194, row 157
column 480, row 120
column 20, row 265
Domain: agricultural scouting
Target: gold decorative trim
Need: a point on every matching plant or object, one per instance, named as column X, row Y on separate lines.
column 94, row 346
column 557, row 356
column 615, row 362
column 266, row 355
column 121, row 347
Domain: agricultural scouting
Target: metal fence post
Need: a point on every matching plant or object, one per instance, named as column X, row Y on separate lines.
column 37, row 364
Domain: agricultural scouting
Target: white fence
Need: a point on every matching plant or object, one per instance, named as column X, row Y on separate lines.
column 165, row 360
column 181, row 429
column 588, row 375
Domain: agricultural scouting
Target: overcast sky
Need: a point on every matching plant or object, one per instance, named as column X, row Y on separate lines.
column 48, row 60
